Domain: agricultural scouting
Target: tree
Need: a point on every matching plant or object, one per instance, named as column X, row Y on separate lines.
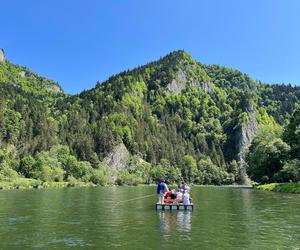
column 289, row 172
column 209, row 173
column 267, row 154
column 101, row 176
column 26, row 166
column 189, row 168
column 5, row 166
column 291, row 134
column 47, row 168
column 140, row 168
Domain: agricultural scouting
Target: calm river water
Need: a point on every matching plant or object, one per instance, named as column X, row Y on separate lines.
column 103, row 218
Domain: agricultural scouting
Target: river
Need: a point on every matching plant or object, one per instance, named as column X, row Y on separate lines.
column 105, row 218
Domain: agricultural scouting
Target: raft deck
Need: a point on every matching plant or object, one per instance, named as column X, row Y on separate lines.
column 163, row 207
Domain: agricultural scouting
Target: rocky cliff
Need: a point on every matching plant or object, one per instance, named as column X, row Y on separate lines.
column 2, row 55
column 165, row 111
column 182, row 81
column 118, row 158
column 244, row 136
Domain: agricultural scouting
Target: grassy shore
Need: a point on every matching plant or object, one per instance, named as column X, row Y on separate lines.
column 26, row 183
column 281, row 187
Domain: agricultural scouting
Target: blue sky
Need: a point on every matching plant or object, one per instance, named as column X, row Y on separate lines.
column 78, row 42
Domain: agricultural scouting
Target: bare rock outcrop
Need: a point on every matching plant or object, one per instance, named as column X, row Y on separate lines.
column 206, row 86
column 118, row 158
column 2, row 55
column 246, row 134
column 181, row 82
column 244, row 137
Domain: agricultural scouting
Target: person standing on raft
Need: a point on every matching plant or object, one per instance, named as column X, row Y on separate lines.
column 162, row 188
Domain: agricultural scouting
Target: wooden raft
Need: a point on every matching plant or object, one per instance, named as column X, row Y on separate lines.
column 164, row 207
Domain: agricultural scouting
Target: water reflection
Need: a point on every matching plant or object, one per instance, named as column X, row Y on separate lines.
column 175, row 223
column 83, row 218
column 184, row 221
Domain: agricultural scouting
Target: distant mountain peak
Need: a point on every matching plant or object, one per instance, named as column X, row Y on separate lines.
column 188, row 72
column 175, row 71
column 179, row 53
column 179, row 56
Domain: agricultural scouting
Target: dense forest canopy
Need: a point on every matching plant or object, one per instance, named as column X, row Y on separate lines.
column 177, row 118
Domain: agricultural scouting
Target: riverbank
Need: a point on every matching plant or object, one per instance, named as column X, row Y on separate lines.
column 26, row 183
column 281, row 187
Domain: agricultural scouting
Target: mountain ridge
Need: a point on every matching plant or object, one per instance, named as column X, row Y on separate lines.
column 167, row 110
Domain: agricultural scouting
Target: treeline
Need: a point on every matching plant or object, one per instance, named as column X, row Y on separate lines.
column 274, row 155
column 193, row 134
column 58, row 165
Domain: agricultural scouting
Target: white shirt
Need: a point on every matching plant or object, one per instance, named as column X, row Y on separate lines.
column 186, row 199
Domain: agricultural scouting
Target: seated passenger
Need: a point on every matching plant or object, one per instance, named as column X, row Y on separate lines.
column 168, row 200
column 179, row 197
column 186, row 198
column 168, row 194
column 185, row 186
column 173, row 194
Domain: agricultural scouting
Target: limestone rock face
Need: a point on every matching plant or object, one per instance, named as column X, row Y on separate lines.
column 246, row 134
column 207, row 87
column 118, row 158
column 181, row 82
column 2, row 55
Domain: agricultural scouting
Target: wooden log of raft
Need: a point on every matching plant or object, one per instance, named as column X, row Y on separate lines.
column 164, row 207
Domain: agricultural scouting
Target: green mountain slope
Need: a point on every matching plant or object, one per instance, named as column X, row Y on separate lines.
column 174, row 113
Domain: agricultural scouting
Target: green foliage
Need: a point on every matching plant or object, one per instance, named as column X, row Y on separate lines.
column 267, row 154
column 26, row 80
column 279, row 100
column 102, row 176
column 6, row 164
column 209, row 173
column 26, row 165
column 141, row 169
column 292, row 133
column 165, row 171
column 125, row 178
column 7, row 173
column 289, row 172
column 232, row 168
column 281, row 187
column 272, row 159
column 189, row 168
column 189, row 135
column 19, row 183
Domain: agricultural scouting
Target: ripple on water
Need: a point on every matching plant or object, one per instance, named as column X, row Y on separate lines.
column 18, row 219
column 72, row 222
column 71, row 242
column 66, row 241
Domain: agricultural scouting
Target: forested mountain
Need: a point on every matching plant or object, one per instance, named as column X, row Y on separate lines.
column 178, row 119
